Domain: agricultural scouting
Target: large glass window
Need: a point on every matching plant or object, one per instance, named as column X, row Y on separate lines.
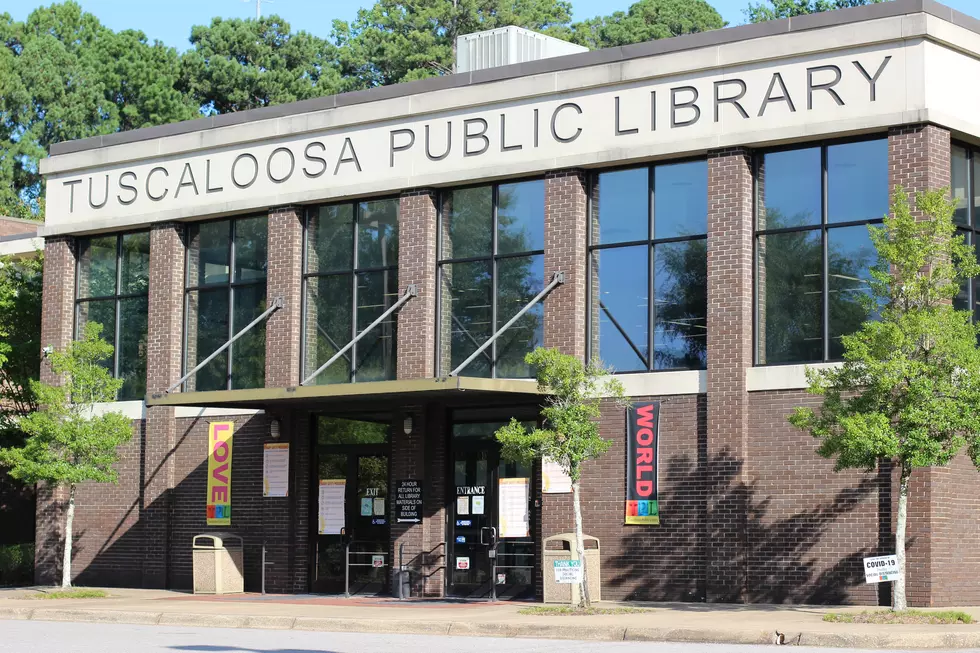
column 491, row 264
column 113, row 286
column 813, row 250
column 226, row 275
column 965, row 166
column 351, row 279
column 648, row 238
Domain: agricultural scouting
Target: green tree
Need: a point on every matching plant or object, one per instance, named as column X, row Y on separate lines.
column 20, row 345
column 236, row 64
column 570, row 435
column 396, row 41
column 773, row 9
column 67, row 443
column 647, row 20
column 908, row 390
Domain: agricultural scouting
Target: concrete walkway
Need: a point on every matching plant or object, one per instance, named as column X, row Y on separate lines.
column 674, row 622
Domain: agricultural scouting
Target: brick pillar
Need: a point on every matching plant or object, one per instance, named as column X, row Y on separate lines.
column 417, row 264
column 729, row 354
column 435, row 497
column 282, row 332
column 407, row 463
column 57, row 327
column 163, row 367
column 565, row 228
column 300, row 439
column 919, row 160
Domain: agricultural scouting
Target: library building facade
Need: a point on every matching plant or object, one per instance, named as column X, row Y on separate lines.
column 321, row 312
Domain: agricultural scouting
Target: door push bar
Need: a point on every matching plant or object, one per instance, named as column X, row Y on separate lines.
column 277, row 303
column 411, row 291
column 557, row 279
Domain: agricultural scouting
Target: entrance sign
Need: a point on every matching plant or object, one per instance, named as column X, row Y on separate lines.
column 642, row 457
column 331, row 508
column 882, row 569
column 554, row 480
column 219, row 473
column 275, row 470
column 512, row 495
column 568, row 571
column 408, row 502
column 462, row 563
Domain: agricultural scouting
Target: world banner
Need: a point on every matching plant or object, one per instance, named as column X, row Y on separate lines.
column 219, row 473
column 642, row 457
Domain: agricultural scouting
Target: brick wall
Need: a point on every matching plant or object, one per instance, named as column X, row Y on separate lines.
column 918, row 157
column 565, row 223
column 729, row 354
column 17, row 226
column 417, row 264
column 282, row 333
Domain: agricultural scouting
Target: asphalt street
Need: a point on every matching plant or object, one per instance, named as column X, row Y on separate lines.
column 57, row 637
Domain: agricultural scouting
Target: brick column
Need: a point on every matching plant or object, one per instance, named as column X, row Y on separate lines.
column 57, row 327
column 919, row 160
column 565, row 228
column 282, row 332
column 729, row 354
column 435, row 496
column 417, row 264
column 163, row 367
column 407, row 463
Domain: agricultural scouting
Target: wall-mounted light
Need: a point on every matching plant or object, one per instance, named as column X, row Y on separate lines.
column 274, row 428
column 407, row 425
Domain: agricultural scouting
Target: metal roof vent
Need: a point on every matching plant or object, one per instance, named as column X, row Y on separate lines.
column 507, row 45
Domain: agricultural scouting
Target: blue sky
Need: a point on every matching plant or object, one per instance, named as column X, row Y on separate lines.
column 170, row 20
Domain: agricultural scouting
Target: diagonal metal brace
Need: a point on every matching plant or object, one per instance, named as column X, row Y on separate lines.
column 411, row 291
column 277, row 303
column 557, row 279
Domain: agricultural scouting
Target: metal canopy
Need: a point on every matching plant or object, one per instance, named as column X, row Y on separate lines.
column 413, row 389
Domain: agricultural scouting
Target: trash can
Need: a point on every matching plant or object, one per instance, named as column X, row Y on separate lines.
column 562, row 547
column 217, row 563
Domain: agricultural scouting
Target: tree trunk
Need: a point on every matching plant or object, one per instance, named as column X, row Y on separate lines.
column 69, row 518
column 898, row 598
column 584, row 601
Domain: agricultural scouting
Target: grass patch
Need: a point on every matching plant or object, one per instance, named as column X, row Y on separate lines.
column 903, row 617
column 574, row 611
column 75, row 593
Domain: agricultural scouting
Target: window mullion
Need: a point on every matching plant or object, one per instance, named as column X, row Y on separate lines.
column 229, row 378
column 118, row 307
column 651, row 287
column 495, row 198
column 825, row 276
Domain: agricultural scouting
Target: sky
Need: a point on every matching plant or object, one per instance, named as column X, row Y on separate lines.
column 170, row 20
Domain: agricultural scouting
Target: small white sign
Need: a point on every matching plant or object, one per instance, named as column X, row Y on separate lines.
column 462, row 563
column 568, row 571
column 882, row 569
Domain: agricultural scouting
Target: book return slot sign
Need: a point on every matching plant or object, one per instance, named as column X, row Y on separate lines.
column 408, row 502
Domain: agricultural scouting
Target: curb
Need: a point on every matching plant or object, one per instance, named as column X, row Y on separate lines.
column 537, row 630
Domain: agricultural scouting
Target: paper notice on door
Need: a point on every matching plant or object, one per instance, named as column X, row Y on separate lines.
column 512, row 494
column 463, row 505
column 379, row 507
column 331, row 508
column 275, row 470
column 478, row 505
column 554, row 480
column 367, row 506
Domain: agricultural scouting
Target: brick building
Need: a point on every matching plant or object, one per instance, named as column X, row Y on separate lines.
column 705, row 200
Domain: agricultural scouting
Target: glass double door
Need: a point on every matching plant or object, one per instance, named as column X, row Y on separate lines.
column 352, row 539
column 491, row 539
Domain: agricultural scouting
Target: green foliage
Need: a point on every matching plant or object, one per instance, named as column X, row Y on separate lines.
column 910, row 382
column 80, row 593
column 774, row 9
column 900, row 617
column 66, row 443
column 16, row 564
column 571, row 414
column 20, row 346
column 235, row 65
column 647, row 20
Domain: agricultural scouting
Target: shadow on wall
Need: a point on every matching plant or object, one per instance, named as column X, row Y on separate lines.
column 780, row 557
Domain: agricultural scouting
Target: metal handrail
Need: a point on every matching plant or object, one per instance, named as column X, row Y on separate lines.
column 348, row 564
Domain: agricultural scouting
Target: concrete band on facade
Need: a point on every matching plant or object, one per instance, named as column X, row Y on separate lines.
column 749, row 511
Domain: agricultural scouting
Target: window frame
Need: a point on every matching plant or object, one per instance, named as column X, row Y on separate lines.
column 116, row 298
column 970, row 230
column 352, row 272
column 824, row 227
column 230, row 285
column 493, row 258
column 651, row 244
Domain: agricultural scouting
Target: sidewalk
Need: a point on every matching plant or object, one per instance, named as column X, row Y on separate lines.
column 676, row 622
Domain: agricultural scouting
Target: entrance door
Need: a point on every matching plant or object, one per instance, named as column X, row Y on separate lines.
column 356, row 559
column 492, row 541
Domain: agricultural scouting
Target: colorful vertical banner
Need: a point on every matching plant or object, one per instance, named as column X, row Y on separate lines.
column 642, row 457
column 219, row 473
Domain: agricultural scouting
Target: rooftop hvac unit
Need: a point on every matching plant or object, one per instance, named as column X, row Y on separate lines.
column 507, row 45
